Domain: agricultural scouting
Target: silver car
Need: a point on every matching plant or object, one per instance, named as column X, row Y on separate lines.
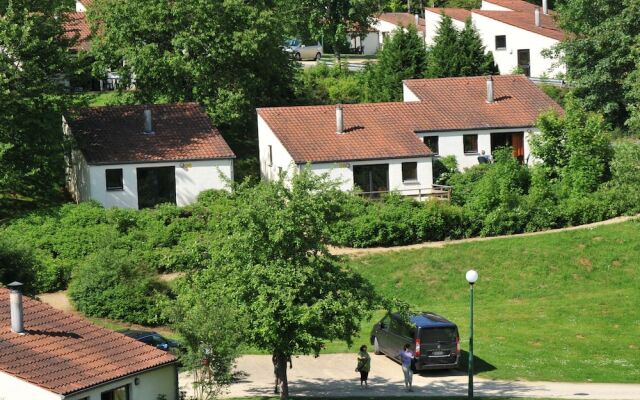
column 303, row 51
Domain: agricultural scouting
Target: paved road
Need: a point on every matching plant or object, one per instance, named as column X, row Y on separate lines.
column 333, row 375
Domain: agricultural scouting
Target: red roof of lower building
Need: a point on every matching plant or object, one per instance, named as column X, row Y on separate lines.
column 64, row 354
column 115, row 134
column 77, row 28
column 388, row 130
column 402, row 19
column 526, row 20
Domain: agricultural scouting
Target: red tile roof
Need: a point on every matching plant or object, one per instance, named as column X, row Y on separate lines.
column 525, row 20
column 388, row 130
column 459, row 14
column 114, row 134
column 515, row 5
column 77, row 27
column 402, row 19
column 63, row 353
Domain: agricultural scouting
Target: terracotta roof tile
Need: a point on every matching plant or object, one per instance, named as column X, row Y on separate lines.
column 525, row 20
column 388, row 130
column 77, row 27
column 114, row 134
column 459, row 14
column 515, row 5
column 402, row 19
column 63, row 353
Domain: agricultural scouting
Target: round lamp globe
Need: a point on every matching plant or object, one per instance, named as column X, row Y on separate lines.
column 472, row 276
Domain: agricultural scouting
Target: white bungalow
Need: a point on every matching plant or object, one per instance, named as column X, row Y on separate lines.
column 140, row 156
column 391, row 146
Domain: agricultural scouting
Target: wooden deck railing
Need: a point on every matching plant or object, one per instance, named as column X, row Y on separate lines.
column 439, row 192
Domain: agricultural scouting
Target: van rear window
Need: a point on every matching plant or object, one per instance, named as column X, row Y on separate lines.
column 438, row 335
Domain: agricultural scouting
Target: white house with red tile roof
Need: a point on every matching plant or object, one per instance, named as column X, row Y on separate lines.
column 391, row 146
column 515, row 31
column 46, row 354
column 139, row 156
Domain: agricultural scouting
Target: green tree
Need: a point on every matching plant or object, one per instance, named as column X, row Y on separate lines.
column 457, row 53
column 271, row 259
column 224, row 54
column 575, row 148
column 474, row 60
column 33, row 58
column 403, row 56
column 333, row 19
column 599, row 53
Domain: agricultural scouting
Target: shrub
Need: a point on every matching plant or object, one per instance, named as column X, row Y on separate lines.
column 112, row 284
column 18, row 263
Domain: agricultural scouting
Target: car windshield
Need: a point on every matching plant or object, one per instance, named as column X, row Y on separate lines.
column 292, row 42
column 437, row 335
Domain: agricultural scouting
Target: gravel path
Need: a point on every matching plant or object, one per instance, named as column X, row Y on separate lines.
column 350, row 251
column 333, row 375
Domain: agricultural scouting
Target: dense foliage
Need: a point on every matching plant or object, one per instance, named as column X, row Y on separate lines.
column 225, row 55
column 33, row 56
column 113, row 283
column 601, row 54
column 458, row 53
column 403, row 56
column 17, row 263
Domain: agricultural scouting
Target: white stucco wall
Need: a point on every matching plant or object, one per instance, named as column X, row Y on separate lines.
column 487, row 5
column 12, row 388
column 192, row 177
column 281, row 160
column 386, row 30
column 408, row 95
column 371, row 43
column 343, row 172
column 517, row 38
column 161, row 381
column 80, row 7
column 451, row 144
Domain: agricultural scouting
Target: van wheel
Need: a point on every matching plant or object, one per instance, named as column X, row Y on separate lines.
column 376, row 346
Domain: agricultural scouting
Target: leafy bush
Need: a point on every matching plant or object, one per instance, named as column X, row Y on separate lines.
column 17, row 263
column 112, row 284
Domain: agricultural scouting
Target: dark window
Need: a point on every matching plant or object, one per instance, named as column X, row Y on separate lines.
column 524, row 61
column 470, row 143
column 432, row 143
column 409, row 171
column 121, row 393
column 501, row 42
column 270, row 156
column 155, row 186
column 372, row 179
column 430, row 335
column 114, row 179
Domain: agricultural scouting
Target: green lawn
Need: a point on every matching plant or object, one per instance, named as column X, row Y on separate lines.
column 556, row 307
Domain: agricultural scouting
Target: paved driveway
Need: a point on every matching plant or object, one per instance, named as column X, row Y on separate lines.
column 334, row 375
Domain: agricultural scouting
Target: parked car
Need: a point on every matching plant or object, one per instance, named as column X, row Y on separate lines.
column 303, row 50
column 152, row 339
column 434, row 339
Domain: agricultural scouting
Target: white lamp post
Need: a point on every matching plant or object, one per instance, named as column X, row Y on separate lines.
column 472, row 277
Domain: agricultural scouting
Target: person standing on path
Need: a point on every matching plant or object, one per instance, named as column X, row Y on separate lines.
column 364, row 366
column 406, row 356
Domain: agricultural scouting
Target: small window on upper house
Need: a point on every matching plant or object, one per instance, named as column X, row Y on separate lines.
column 501, row 42
column 432, row 143
column 270, row 155
column 470, row 144
column 114, row 179
column 409, row 171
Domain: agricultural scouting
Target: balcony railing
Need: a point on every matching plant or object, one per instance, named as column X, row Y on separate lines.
column 438, row 192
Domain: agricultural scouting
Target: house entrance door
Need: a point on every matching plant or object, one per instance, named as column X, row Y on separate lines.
column 372, row 178
column 515, row 140
column 155, row 186
column 524, row 61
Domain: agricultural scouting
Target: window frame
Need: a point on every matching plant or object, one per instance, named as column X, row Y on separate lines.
column 127, row 389
column 269, row 155
column 414, row 172
column 106, row 180
column 435, row 151
column 496, row 42
column 473, row 151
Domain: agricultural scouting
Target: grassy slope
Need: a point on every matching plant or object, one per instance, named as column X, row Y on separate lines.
column 557, row 307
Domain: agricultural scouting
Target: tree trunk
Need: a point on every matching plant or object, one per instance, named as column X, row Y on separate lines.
column 282, row 376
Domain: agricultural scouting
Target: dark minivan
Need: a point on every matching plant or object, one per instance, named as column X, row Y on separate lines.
column 434, row 339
